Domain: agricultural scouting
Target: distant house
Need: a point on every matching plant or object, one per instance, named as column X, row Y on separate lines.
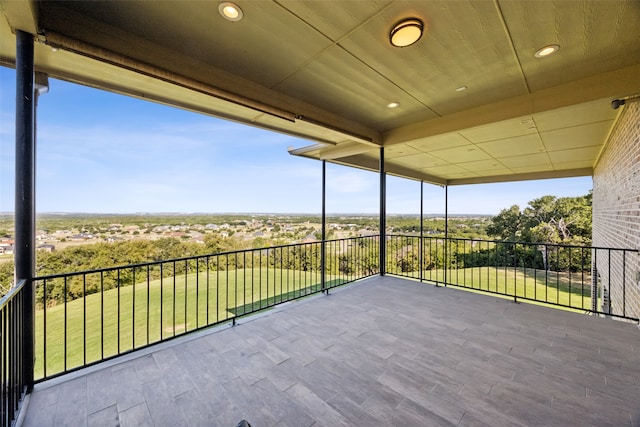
column 46, row 247
column 82, row 236
column 310, row 238
column 7, row 249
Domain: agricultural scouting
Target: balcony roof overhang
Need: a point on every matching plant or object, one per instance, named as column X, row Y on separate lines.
column 326, row 72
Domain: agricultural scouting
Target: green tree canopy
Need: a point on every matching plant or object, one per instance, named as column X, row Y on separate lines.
column 547, row 219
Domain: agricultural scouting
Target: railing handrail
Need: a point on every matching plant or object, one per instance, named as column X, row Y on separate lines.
column 12, row 292
column 511, row 242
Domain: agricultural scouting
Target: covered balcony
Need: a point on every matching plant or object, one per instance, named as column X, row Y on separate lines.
column 364, row 331
column 384, row 351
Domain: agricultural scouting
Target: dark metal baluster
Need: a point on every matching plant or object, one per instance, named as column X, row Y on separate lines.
column 84, row 318
column 65, row 323
column 133, row 308
column 118, row 317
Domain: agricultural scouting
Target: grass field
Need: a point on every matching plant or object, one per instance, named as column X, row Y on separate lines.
column 573, row 290
column 131, row 317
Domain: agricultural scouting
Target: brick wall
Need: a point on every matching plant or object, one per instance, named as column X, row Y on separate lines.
column 616, row 212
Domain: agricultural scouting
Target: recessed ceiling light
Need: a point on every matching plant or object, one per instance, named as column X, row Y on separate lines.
column 461, row 89
column 406, row 33
column 547, row 50
column 230, row 11
column 393, row 105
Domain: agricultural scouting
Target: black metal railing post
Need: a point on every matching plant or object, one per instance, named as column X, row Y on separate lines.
column 421, row 245
column 24, row 254
column 324, row 229
column 446, row 232
column 383, row 214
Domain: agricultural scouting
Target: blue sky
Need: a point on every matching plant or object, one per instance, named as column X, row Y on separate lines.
column 100, row 152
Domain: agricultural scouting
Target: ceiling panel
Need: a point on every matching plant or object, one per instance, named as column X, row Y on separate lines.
column 548, row 167
column 578, row 136
column 400, row 151
column 594, row 37
column 516, row 146
column 527, row 160
column 580, row 114
column 448, row 170
column 586, row 154
column 439, row 142
column 462, row 39
column 418, row 161
column 357, row 92
column 584, row 164
column 331, row 21
column 491, row 165
column 200, row 32
column 501, row 130
column 462, row 175
column 461, row 154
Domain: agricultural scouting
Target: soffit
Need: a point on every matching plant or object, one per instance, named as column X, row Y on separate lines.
column 330, row 68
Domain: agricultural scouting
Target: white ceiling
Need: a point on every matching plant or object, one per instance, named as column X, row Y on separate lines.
column 325, row 71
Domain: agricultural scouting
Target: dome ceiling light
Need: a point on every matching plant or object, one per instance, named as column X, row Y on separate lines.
column 406, row 32
column 230, row 11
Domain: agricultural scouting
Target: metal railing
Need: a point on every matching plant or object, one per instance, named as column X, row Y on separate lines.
column 557, row 275
column 83, row 318
column 12, row 380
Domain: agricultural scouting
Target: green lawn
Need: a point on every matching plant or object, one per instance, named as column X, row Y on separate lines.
column 573, row 290
column 134, row 316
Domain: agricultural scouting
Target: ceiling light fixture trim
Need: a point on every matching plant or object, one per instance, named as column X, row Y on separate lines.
column 406, row 32
column 230, row 11
column 547, row 50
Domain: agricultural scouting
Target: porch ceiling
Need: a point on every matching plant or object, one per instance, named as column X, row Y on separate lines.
column 325, row 71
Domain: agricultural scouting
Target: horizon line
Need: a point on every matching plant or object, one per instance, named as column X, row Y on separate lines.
column 9, row 213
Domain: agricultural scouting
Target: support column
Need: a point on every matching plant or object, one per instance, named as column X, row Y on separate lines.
column 323, row 252
column 421, row 245
column 383, row 215
column 24, row 211
column 446, row 233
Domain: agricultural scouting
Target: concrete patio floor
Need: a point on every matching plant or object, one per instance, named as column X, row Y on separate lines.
column 381, row 352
